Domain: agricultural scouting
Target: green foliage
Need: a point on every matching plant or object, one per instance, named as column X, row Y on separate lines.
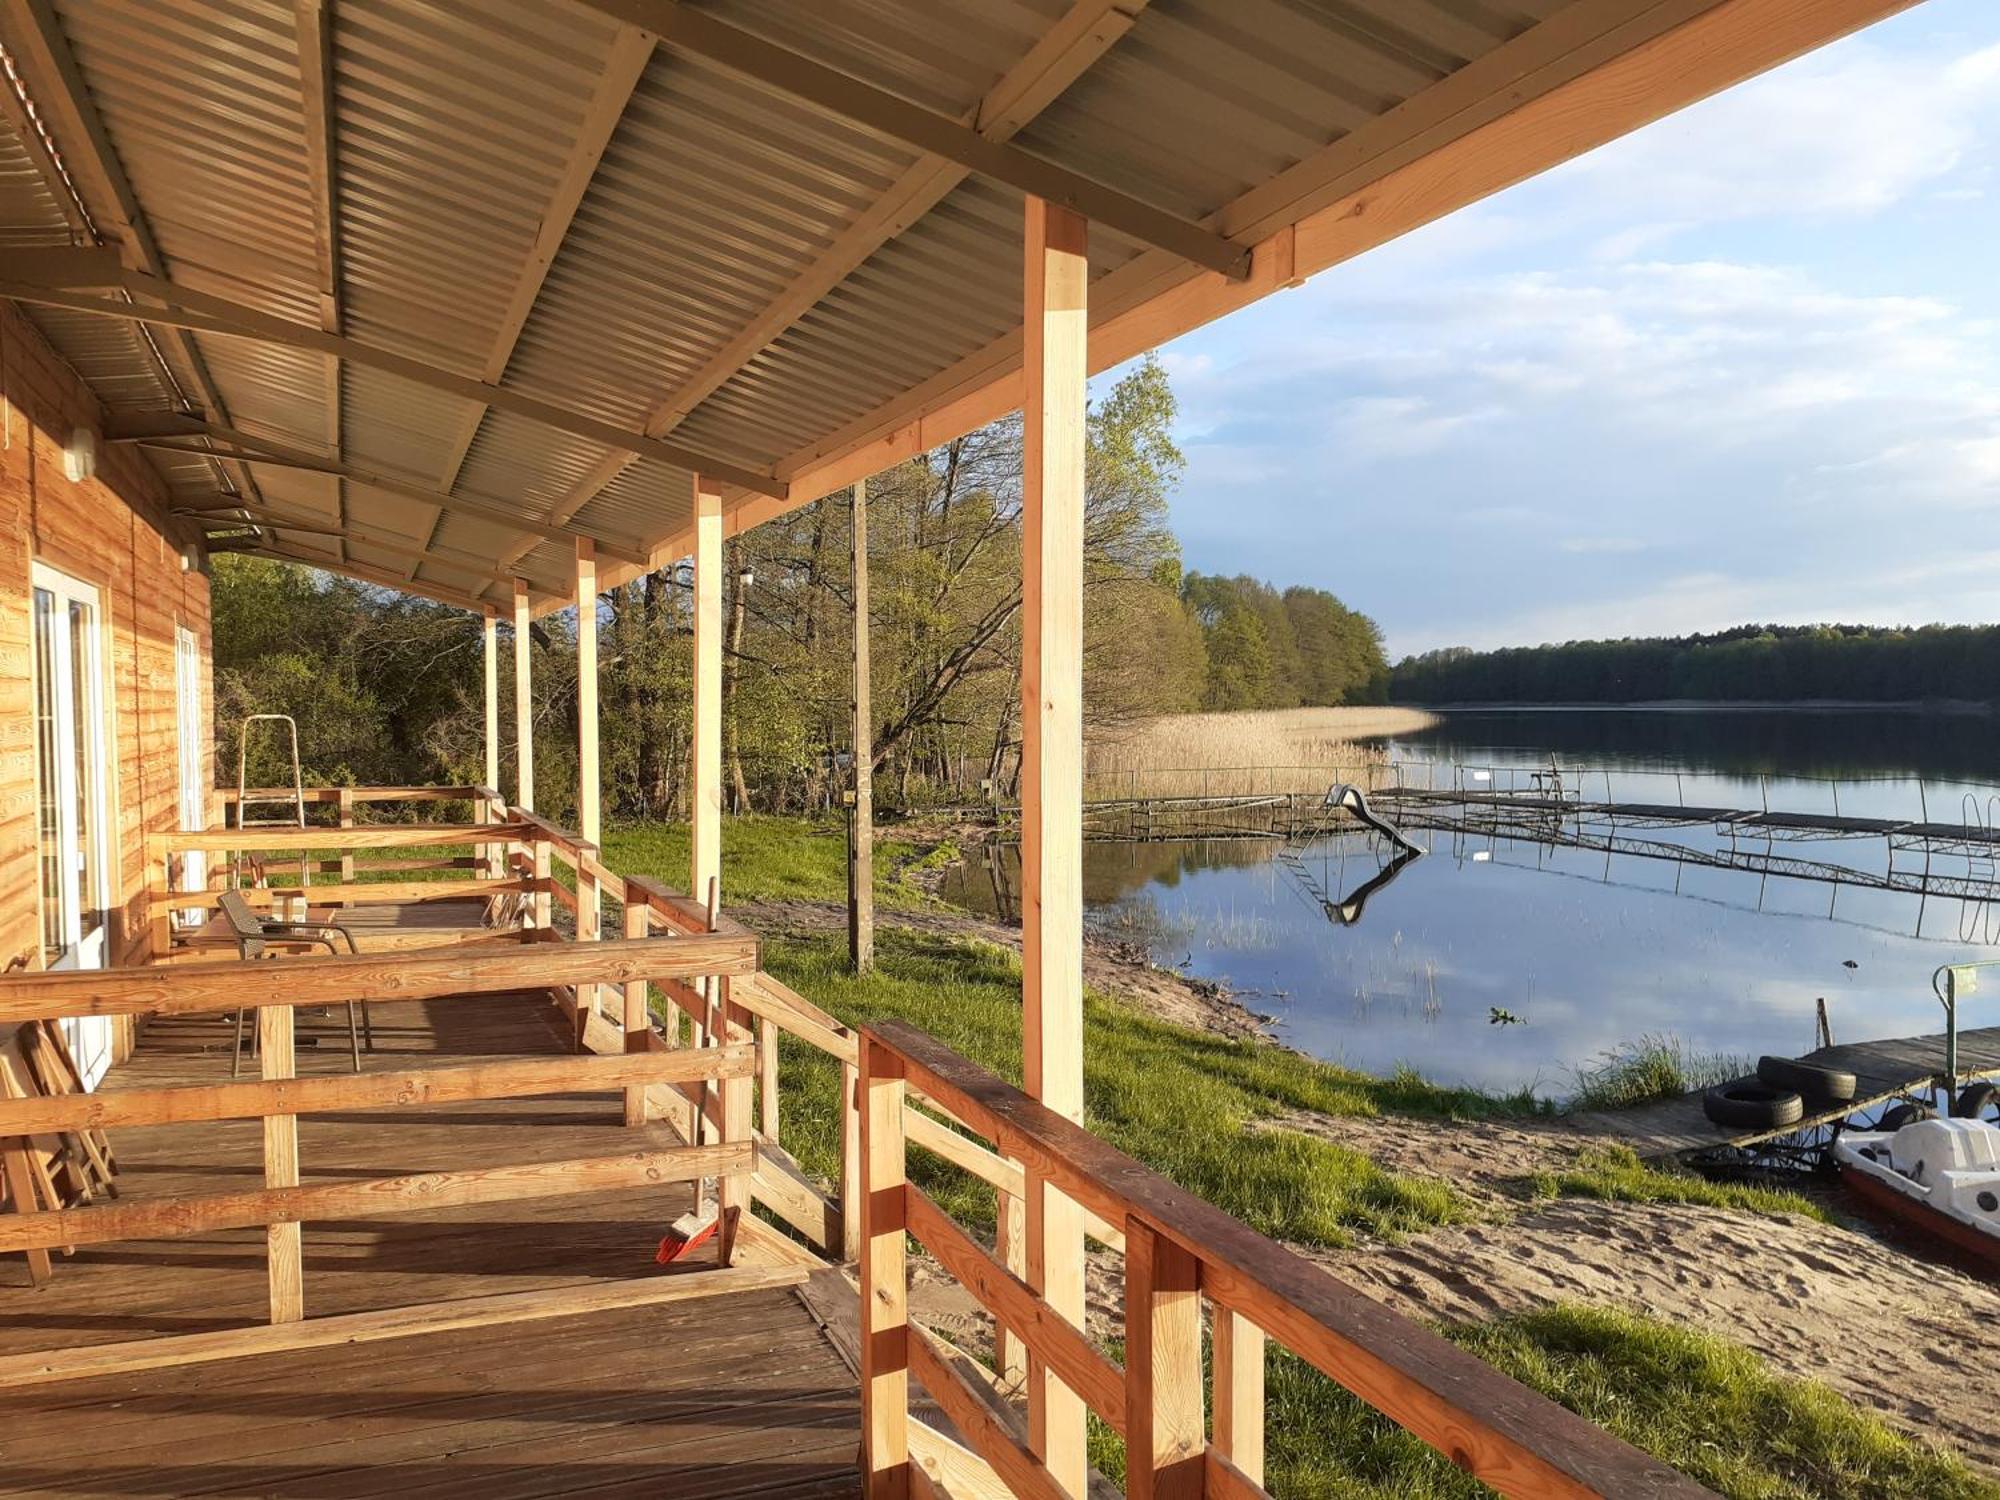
column 1616, row 1175
column 1270, row 650
column 770, row 859
column 1655, row 1067
column 1777, row 663
column 1707, row 1406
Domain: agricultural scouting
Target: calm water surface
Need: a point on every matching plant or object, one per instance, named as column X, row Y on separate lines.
column 1587, row 949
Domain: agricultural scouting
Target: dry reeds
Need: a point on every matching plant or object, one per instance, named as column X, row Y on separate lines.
column 1260, row 752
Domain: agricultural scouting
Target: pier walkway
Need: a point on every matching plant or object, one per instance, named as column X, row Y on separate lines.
column 1883, row 1070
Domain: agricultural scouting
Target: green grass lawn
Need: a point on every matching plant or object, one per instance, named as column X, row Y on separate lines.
column 1193, row 1106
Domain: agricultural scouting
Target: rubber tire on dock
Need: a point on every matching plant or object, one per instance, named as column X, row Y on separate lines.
column 1976, row 1098
column 1751, row 1103
column 1898, row 1115
column 1835, row 1085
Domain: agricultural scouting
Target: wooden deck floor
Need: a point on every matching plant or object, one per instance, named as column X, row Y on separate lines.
column 733, row 1396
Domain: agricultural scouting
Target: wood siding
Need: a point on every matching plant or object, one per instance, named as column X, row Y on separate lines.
column 111, row 531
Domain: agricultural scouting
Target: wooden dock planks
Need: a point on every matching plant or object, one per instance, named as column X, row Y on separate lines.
column 1882, row 1070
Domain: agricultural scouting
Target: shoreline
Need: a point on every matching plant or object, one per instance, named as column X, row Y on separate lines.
column 1937, row 707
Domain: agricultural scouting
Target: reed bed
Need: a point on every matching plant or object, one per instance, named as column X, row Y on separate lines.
column 1255, row 753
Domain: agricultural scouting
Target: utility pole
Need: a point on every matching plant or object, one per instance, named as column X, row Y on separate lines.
column 861, row 822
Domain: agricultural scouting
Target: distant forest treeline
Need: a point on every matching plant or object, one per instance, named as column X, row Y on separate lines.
column 1775, row 663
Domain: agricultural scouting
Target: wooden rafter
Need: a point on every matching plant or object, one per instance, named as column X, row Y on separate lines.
column 701, row 34
column 264, row 514
column 249, row 448
column 623, row 67
column 311, row 26
column 1594, row 71
column 1065, row 52
column 183, row 307
column 366, row 574
column 54, row 82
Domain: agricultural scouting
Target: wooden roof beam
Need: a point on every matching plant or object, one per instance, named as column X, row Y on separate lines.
column 202, row 312
column 701, row 34
column 271, row 517
column 311, row 25
column 631, row 51
column 1064, row 54
column 376, row 576
column 171, row 431
column 51, row 78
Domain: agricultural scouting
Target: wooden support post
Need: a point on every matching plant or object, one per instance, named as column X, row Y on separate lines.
column 885, row 1323
column 637, row 1022
column 1055, row 333
column 850, row 1162
column 346, row 802
column 861, row 825
column 589, row 929
column 589, row 816
column 524, row 703
column 490, row 638
column 706, row 832
column 283, row 1243
column 542, row 903
column 1239, row 1392
column 1164, row 1435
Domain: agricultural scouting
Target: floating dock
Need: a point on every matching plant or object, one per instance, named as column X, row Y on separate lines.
column 1883, row 1071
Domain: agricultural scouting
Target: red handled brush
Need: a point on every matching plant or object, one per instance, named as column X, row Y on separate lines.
column 686, row 1233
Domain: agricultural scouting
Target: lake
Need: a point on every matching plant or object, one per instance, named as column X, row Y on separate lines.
column 1587, row 948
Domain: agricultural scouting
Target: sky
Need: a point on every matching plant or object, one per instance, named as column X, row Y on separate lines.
column 1740, row 365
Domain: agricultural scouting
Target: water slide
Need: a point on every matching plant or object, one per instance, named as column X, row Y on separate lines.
column 1350, row 798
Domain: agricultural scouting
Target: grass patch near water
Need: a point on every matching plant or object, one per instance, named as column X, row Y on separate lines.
column 1653, row 1068
column 1615, row 1174
column 775, row 859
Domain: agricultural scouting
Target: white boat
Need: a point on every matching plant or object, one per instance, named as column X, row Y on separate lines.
column 1942, row 1175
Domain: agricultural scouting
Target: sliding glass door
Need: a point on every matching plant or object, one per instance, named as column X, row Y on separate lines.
column 69, row 721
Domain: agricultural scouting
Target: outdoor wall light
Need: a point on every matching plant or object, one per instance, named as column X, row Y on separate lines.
column 747, row 577
column 80, row 455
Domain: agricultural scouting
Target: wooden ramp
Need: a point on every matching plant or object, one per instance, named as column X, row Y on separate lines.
column 1882, row 1070
column 724, row 1396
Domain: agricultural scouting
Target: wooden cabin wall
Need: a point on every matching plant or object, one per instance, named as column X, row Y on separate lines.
column 111, row 530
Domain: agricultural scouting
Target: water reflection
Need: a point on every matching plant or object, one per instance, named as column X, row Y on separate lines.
column 1375, row 960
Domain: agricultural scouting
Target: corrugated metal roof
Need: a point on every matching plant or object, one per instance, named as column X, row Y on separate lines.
column 456, row 127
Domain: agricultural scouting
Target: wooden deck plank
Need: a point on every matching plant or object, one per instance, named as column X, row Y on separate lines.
column 739, row 1396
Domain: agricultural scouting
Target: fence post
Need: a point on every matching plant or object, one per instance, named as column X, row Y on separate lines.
column 1010, row 1242
column 635, row 1022
column 1163, row 1395
column 542, row 901
column 589, row 929
column 1239, row 1392
column 732, row 1026
column 346, row 800
column 283, row 1245
column 850, row 1162
column 885, row 1325
column 767, row 1080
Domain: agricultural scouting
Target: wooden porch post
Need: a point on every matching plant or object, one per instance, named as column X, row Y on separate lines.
column 1054, row 331
column 524, row 706
column 861, row 827
column 589, row 820
column 492, row 643
column 706, row 832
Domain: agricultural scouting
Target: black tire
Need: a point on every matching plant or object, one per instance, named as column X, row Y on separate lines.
column 1899, row 1115
column 1754, row 1104
column 1976, row 1100
column 1835, row 1085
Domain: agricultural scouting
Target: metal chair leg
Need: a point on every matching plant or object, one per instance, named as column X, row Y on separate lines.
column 236, row 1052
column 354, row 1035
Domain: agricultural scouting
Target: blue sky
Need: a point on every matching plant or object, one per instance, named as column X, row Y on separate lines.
column 1740, row 365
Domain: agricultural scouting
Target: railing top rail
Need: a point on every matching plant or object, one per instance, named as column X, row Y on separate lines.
column 370, row 836
column 362, row 793
column 419, row 974
column 1489, row 1424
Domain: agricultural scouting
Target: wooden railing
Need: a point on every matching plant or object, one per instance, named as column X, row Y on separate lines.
column 1180, row 1253
column 278, row 1098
